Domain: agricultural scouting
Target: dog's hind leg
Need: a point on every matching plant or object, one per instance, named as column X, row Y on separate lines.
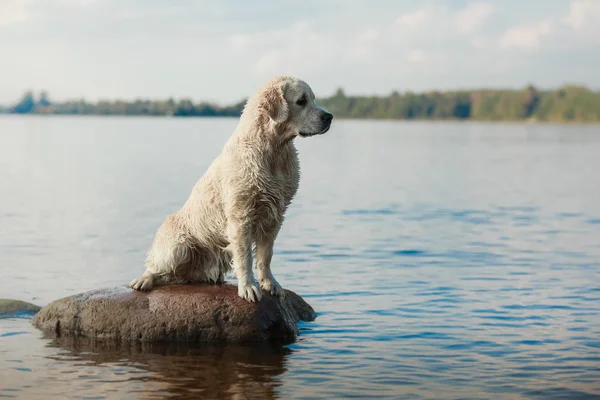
column 162, row 265
column 143, row 283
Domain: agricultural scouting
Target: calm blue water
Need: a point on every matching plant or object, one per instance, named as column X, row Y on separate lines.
column 444, row 260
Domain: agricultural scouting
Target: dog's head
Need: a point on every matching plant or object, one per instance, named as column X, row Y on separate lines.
column 288, row 105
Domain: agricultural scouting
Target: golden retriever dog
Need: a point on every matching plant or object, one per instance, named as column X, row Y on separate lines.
column 241, row 199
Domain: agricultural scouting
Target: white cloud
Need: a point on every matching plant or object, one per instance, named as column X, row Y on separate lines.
column 441, row 17
column 14, row 11
column 520, row 36
column 472, row 17
column 77, row 3
column 525, row 37
column 299, row 49
column 417, row 57
column 578, row 29
column 368, row 35
column 269, row 62
column 419, row 18
column 364, row 43
column 584, row 16
column 240, row 41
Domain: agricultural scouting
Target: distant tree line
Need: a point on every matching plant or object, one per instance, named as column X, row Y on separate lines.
column 29, row 104
column 570, row 103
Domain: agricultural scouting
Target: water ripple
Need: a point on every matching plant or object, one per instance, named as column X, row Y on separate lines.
column 444, row 261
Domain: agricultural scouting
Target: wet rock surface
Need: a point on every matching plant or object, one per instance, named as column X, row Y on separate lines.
column 16, row 308
column 175, row 313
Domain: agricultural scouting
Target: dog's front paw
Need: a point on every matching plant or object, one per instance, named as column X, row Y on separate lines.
column 270, row 285
column 145, row 283
column 250, row 291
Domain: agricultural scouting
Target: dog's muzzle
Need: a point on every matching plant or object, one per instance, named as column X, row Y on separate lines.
column 326, row 119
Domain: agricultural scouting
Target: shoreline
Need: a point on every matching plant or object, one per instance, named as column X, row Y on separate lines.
column 354, row 119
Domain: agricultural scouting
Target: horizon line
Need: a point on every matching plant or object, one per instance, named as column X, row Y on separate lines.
column 38, row 93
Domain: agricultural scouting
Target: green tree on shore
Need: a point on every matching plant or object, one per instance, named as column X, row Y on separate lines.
column 25, row 105
column 569, row 103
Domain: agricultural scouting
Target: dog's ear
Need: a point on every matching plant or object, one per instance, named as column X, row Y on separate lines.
column 274, row 104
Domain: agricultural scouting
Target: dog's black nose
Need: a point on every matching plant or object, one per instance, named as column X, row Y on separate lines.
column 327, row 117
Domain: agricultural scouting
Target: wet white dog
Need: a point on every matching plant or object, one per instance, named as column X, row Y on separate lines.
column 242, row 198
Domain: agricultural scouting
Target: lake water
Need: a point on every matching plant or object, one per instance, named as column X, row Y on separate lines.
column 444, row 260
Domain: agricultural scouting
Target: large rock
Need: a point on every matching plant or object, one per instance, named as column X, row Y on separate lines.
column 175, row 313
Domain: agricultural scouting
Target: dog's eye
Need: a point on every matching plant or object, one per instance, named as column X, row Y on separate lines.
column 302, row 101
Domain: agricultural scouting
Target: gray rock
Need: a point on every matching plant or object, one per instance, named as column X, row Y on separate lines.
column 16, row 308
column 175, row 313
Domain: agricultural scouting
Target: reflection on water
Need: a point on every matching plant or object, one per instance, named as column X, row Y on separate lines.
column 181, row 370
column 94, row 369
column 443, row 260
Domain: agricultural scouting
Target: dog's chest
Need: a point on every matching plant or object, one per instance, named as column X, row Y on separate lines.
column 279, row 184
column 277, row 187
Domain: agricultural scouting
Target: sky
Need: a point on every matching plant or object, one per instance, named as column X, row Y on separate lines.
column 221, row 51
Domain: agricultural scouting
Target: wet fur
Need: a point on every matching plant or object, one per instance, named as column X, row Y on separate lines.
column 237, row 207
